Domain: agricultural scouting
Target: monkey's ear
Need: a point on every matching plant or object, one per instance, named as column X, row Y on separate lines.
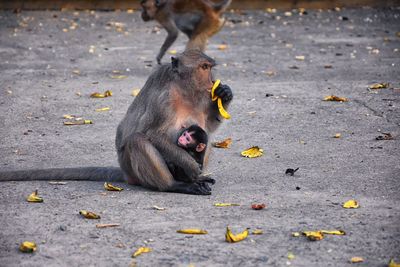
column 174, row 63
column 200, row 147
column 160, row 3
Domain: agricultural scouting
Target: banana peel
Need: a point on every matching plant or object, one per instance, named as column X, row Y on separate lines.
column 351, row 204
column 34, row 197
column 314, row 235
column 140, row 251
column 110, row 187
column 192, row 231
column 392, row 263
column 333, row 232
column 89, row 214
column 27, row 247
column 221, row 108
column 232, row 238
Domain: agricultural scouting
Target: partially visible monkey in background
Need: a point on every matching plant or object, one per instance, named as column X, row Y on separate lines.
column 194, row 140
column 198, row 19
column 175, row 95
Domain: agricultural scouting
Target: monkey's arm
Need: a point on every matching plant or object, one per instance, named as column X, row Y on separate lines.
column 172, row 31
column 214, row 118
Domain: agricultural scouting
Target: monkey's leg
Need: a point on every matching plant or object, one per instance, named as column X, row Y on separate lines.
column 149, row 168
column 172, row 31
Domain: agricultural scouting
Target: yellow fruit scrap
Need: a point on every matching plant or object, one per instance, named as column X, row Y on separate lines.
column 225, row 204
column 252, row 152
column 295, row 234
column 335, row 98
column 34, row 197
column 192, row 231
column 221, row 108
column 27, row 247
column 333, row 232
column 222, row 47
column 118, row 77
column 107, row 93
column 232, row 238
column 80, row 122
column 337, row 135
column 89, row 214
column 140, row 251
column 314, row 235
column 257, row 232
column 392, row 263
column 102, row 109
column 110, row 187
column 172, row 52
column 379, row 86
column 135, row 92
column 223, row 144
column 290, row 256
column 106, row 225
column 351, row 204
column 356, row 259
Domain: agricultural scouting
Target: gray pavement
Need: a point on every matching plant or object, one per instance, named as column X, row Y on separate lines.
column 46, row 72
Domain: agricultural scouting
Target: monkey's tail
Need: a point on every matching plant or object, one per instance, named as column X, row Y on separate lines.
column 106, row 174
column 221, row 7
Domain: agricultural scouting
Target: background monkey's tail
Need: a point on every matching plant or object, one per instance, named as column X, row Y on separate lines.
column 105, row 174
column 222, row 6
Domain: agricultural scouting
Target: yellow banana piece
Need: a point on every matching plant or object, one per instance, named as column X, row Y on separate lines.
column 221, row 108
column 192, row 231
column 110, row 187
column 34, row 197
column 89, row 214
column 231, row 238
column 27, row 247
column 141, row 250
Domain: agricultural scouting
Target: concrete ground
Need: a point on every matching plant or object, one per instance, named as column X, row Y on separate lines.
column 52, row 61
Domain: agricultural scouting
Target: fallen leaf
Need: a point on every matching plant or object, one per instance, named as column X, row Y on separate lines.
column 223, row 144
column 27, row 247
column 258, row 206
column 291, row 171
column 89, row 214
column 158, row 208
column 379, row 86
column 222, row 47
column 34, row 197
column 110, row 187
column 356, row 259
column 257, row 232
column 328, row 66
column 106, row 225
column 140, row 251
column 135, row 92
column 252, row 152
column 102, row 109
column 335, row 98
column 225, row 204
column 76, row 71
column 337, row 135
column 351, row 204
column 314, row 235
column 392, row 263
column 119, row 77
column 232, row 238
column 290, row 256
column 192, row 231
column 80, row 122
column 333, row 232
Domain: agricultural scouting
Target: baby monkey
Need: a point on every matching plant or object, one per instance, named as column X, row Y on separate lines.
column 194, row 140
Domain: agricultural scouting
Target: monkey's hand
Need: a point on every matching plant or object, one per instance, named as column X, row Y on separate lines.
column 224, row 92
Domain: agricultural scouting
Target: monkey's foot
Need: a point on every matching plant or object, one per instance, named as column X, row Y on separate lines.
column 196, row 188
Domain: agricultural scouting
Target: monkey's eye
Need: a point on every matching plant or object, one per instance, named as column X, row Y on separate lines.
column 205, row 66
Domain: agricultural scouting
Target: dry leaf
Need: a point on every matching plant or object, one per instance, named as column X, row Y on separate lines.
column 252, row 152
column 351, row 204
column 335, row 98
column 140, row 251
column 356, row 259
column 314, row 235
column 89, row 214
column 192, row 231
column 106, row 225
column 222, row 47
column 223, row 144
column 135, row 92
column 379, row 86
column 34, row 197
column 257, row 232
column 225, row 204
column 232, row 238
column 102, row 109
column 333, row 232
column 158, row 208
column 337, row 135
column 76, row 71
column 110, row 187
column 258, row 206
column 80, row 122
column 118, row 77
column 27, row 247
column 392, row 263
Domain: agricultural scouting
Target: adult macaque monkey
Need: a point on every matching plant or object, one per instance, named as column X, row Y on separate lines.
column 198, row 19
column 175, row 95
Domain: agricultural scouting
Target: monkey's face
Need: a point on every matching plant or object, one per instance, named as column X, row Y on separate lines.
column 149, row 9
column 204, row 73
